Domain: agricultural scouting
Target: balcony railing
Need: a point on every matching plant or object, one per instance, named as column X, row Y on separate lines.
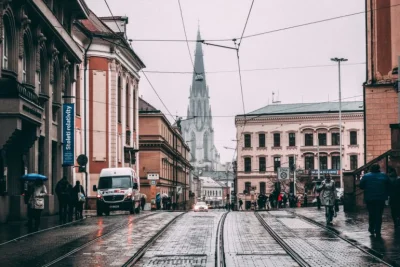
column 10, row 88
column 321, row 148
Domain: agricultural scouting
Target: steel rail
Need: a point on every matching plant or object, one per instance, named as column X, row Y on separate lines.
column 378, row 256
column 219, row 243
column 95, row 239
column 139, row 254
column 296, row 257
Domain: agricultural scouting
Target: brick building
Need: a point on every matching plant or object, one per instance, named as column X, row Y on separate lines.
column 164, row 152
column 380, row 89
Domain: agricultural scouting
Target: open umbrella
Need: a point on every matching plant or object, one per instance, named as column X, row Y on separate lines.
column 33, row 177
column 164, row 195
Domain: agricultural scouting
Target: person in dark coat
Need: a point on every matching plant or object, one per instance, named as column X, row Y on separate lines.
column 77, row 191
column 142, row 202
column 28, row 191
column 63, row 191
column 375, row 185
column 394, row 197
column 305, row 204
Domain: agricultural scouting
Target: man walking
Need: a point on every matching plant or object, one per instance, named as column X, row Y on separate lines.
column 394, row 197
column 240, row 204
column 375, row 185
column 63, row 195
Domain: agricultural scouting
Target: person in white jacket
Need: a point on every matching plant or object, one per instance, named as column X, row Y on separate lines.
column 36, row 202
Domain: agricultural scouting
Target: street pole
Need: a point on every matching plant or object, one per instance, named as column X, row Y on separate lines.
column 319, row 175
column 294, row 177
column 339, row 60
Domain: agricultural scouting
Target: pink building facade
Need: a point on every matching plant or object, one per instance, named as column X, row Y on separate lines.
column 285, row 135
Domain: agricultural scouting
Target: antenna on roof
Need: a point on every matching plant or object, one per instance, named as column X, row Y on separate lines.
column 273, row 101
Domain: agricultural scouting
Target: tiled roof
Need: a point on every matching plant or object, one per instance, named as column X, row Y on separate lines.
column 321, row 107
column 145, row 106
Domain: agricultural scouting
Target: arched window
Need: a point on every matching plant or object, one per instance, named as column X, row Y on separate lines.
column 205, row 146
column 127, row 106
column 6, row 45
column 78, row 91
column 119, row 89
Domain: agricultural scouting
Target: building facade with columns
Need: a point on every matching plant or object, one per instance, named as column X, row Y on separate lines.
column 37, row 76
column 107, row 124
column 275, row 135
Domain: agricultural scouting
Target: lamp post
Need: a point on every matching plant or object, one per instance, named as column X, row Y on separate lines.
column 339, row 60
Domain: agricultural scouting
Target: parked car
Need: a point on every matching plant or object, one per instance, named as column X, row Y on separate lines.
column 201, row 206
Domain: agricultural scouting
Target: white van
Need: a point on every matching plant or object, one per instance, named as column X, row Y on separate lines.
column 118, row 189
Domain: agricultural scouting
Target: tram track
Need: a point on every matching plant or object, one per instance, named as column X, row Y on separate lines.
column 372, row 253
column 139, row 254
column 219, row 243
column 119, row 227
column 296, row 257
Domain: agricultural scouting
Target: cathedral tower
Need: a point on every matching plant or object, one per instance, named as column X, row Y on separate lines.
column 197, row 128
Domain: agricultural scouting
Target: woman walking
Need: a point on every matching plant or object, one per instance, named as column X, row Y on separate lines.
column 327, row 195
column 36, row 202
column 79, row 198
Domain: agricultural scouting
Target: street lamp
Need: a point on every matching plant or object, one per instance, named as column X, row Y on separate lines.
column 339, row 60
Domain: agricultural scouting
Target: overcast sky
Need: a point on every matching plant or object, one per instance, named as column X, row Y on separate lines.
column 219, row 19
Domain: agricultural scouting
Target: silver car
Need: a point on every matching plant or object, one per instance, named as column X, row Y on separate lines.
column 200, row 206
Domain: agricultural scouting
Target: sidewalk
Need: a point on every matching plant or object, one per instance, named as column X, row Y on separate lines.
column 16, row 229
column 354, row 226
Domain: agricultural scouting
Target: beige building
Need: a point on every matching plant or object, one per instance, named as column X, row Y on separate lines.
column 107, row 123
column 273, row 136
column 37, row 76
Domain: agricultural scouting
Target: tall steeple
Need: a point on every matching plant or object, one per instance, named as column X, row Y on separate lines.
column 199, row 85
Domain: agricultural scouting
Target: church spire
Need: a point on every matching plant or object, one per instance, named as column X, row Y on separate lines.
column 199, row 77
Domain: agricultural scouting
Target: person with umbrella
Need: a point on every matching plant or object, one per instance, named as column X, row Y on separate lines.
column 37, row 202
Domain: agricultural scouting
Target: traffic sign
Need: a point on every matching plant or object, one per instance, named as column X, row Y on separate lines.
column 153, row 176
column 283, row 173
column 153, row 182
column 179, row 190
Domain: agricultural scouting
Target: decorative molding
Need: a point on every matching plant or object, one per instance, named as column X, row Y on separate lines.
column 53, row 53
column 40, row 39
column 24, row 22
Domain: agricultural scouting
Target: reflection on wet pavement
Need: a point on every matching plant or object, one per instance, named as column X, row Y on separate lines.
column 354, row 226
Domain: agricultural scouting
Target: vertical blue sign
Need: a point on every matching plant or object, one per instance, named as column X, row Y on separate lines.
column 68, row 130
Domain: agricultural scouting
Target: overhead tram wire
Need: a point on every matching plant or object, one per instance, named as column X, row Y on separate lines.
column 127, row 47
column 187, row 43
column 271, row 31
column 245, row 25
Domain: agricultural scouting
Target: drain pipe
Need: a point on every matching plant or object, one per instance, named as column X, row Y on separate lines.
column 85, row 109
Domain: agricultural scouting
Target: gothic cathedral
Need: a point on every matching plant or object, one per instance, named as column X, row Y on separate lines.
column 197, row 128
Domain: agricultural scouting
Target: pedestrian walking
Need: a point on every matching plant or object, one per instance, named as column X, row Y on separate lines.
column 267, row 203
column 376, row 186
column 327, row 189
column 28, row 190
column 284, row 199
column 79, row 199
column 394, row 197
column 280, row 198
column 305, row 203
column 240, row 204
column 63, row 191
column 36, row 202
column 142, row 202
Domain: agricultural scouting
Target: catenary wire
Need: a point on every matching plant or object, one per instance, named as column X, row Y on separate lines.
column 184, row 30
column 271, row 31
column 109, row 9
column 245, row 25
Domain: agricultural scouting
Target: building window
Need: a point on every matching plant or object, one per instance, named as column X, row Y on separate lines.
column 261, row 140
column 247, row 140
column 322, row 139
column 323, row 162
column 119, row 104
column 292, row 139
column 309, row 162
column 308, row 139
column 127, row 106
column 335, row 139
column 5, row 45
column 291, row 163
column 247, row 164
column 277, row 139
column 78, row 92
column 247, row 187
column 353, row 162
column 262, row 188
column 335, row 162
column 24, row 65
column 353, row 138
column 134, row 109
column 277, row 163
column 261, row 164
